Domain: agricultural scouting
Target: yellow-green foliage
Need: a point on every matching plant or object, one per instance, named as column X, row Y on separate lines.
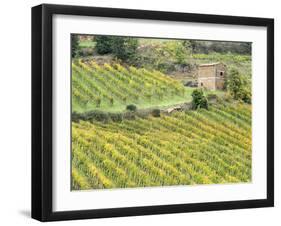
column 107, row 86
column 196, row 147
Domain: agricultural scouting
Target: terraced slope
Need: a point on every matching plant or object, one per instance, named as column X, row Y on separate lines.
column 112, row 87
column 194, row 147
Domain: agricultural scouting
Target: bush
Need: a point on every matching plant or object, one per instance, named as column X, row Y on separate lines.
column 199, row 100
column 74, row 45
column 96, row 115
column 103, row 44
column 246, row 95
column 129, row 115
column 177, row 51
column 238, row 86
column 219, row 47
column 143, row 113
column 156, row 112
column 84, row 52
column 227, row 97
column 131, row 107
column 116, row 117
column 75, row 117
column 234, row 83
column 122, row 48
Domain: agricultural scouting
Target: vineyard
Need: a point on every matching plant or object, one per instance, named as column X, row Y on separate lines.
column 193, row 147
column 112, row 87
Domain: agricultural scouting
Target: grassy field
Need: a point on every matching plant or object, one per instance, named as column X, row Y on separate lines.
column 194, row 147
column 87, row 44
column 112, row 87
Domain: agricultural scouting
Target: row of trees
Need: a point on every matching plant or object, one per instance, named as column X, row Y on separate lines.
column 219, row 47
column 121, row 47
column 125, row 48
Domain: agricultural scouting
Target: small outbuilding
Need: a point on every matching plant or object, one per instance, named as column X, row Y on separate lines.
column 212, row 76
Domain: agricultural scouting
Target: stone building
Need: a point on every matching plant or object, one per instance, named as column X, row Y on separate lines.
column 212, row 76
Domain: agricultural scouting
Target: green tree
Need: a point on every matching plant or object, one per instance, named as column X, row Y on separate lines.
column 124, row 48
column 238, row 86
column 180, row 53
column 199, row 100
column 103, row 44
column 176, row 51
column 234, row 83
column 190, row 45
column 74, row 45
column 245, row 48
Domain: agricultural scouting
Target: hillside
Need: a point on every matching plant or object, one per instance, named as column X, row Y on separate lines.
column 193, row 147
column 112, row 87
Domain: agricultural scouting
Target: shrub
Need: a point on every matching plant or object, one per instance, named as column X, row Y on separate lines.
column 156, row 112
column 177, row 51
column 131, row 107
column 227, row 97
column 246, row 95
column 234, row 83
column 116, row 117
column 219, row 47
column 84, row 52
column 75, row 117
column 129, row 115
column 238, row 86
column 143, row 113
column 95, row 115
column 199, row 100
column 103, row 44
column 122, row 48
column 98, row 116
column 74, row 45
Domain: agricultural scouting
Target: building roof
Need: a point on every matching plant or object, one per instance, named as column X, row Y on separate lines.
column 211, row 64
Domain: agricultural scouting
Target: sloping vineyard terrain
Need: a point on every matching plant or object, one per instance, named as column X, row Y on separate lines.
column 112, row 87
column 184, row 148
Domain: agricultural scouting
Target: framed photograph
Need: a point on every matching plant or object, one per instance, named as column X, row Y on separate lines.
column 146, row 112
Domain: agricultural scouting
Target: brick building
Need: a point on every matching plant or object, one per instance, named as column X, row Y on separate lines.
column 212, row 76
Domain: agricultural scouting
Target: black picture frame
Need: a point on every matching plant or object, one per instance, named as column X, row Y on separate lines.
column 42, row 111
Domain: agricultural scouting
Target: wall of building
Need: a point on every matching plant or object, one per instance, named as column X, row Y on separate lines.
column 209, row 83
column 220, row 68
column 220, row 78
column 220, row 83
column 206, row 71
column 210, row 76
column 206, row 77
